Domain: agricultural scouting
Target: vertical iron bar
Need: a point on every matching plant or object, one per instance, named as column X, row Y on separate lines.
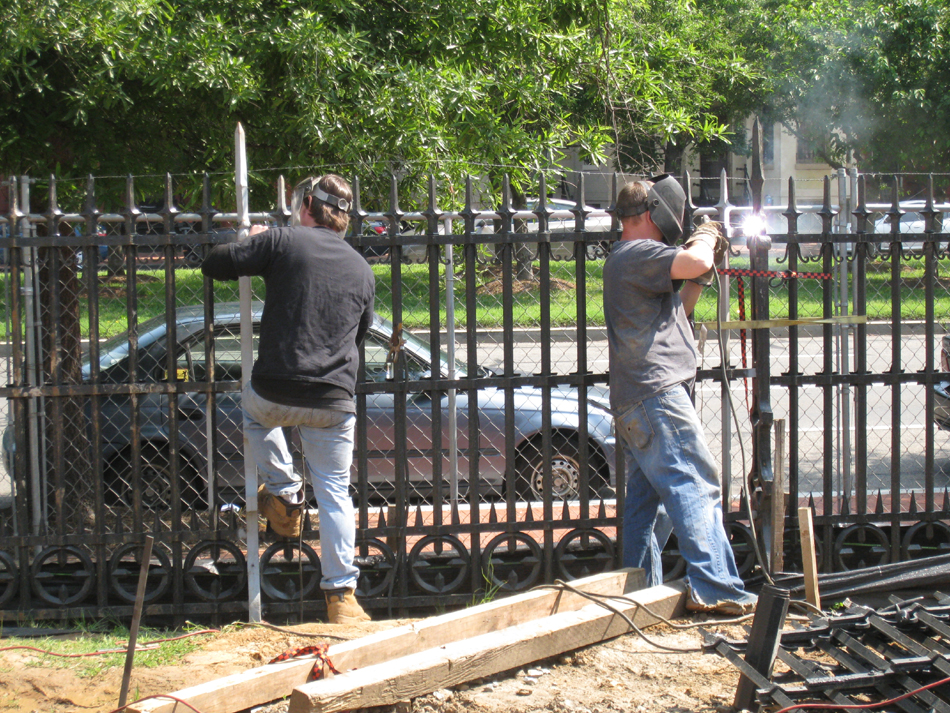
column 135, row 437
column 930, row 279
column 54, row 287
column 764, row 641
column 544, row 254
column 762, row 407
column 358, row 215
column 211, row 396
column 861, row 357
column 507, row 304
column 896, row 369
column 433, row 255
column 827, row 297
column 580, row 279
column 91, row 274
column 794, row 389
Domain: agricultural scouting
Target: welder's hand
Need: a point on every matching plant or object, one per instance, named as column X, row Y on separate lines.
column 711, row 234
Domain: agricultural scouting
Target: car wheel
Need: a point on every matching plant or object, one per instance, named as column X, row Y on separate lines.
column 566, row 470
column 156, row 478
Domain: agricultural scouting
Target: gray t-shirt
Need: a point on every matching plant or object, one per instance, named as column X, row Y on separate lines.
column 651, row 343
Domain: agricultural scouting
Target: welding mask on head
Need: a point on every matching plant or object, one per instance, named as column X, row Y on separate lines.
column 309, row 188
column 666, row 202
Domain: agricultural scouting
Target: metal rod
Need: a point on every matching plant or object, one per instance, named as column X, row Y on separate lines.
column 136, row 617
column 450, row 351
column 247, row 363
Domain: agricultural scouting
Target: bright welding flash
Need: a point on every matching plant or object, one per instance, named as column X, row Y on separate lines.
column 753, row 225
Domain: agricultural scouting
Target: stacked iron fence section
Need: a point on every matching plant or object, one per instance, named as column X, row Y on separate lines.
column 485, row 460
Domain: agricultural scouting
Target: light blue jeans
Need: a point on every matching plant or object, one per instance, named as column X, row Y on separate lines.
column 669, row 464
column 327, row 440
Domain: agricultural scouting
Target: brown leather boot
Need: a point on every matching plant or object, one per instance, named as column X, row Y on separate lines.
column 342, row 607
column 284, row 518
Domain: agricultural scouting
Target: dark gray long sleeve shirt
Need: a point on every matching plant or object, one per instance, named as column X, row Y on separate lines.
column 317, row 308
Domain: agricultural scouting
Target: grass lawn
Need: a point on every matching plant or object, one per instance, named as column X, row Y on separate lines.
column 526, row 299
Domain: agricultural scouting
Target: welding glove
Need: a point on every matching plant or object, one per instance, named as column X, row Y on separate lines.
column 711, row 234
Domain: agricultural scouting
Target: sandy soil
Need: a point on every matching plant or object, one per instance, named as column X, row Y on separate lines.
column 625, row 674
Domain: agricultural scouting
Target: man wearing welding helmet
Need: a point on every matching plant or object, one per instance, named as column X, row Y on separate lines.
column 317, row 308
column 651, row 285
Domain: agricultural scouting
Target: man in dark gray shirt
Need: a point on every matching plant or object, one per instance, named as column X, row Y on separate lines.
column 650, row 288
column 317, row 308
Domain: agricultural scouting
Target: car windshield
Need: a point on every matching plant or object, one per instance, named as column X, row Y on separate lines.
column 421, row 348
column 114, row 350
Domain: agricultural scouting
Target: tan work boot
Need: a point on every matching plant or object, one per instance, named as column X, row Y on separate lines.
column 342, row 608
column 284, row 518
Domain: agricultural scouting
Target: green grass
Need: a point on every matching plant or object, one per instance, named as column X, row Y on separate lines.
column 104, row 636
column 526, row 304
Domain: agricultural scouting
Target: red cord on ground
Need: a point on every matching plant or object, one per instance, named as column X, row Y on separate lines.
column 111, row 651
column 158, row 695
column 864, row 706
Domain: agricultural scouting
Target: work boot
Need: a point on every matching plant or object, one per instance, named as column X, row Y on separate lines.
column 342, row 607
column 723, row 608
column 284, row 518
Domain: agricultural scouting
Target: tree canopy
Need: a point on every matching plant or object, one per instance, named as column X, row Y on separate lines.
column 459, row 87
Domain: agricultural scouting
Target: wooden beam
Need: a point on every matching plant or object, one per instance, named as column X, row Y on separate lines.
column 468, row 659
column 809, row 560
column 269, row 683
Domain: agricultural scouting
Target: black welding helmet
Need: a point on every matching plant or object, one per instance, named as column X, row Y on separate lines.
column 666, row 202
column 310, row 187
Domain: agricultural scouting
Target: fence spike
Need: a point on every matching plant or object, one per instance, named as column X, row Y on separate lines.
column 946, row 500
column 456, row 515
column 381, row 522
column 612, row 208
column 757, row 181
column 811, row 503
column 894, row 213
column 419, row 521
column 580, row 205
column 601, row 509
column 207, row 209
column 792, row 213
column 845, row 506
column 543, row 211
column 929, row 212
column 492, row 514
column 528, row 515
column 565, row 510
column 53, row 213
column 690, row 208
column 861, row 211
column 827, row 213
column 469, row 212
column 394, row 214
column 879, row 507
column 912, row 509
column 723, row 203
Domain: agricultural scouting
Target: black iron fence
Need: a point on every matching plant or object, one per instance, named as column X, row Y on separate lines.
column 485, row 457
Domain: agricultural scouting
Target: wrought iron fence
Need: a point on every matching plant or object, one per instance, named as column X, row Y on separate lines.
column 485, row 460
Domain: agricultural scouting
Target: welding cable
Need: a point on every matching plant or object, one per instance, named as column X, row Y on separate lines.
column 284, row 630
column 559, row 584
column 864, row 706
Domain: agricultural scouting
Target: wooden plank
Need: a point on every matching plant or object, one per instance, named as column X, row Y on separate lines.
column 268, row 683
column 461, row 661
column 777, row 544
column 809, row 563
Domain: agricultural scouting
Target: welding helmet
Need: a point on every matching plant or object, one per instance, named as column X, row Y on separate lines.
column 666, row 202
column 310, row 187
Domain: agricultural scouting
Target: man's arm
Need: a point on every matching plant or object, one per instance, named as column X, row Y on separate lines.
column 689, row 295
column 692, row 261
column 219, row 263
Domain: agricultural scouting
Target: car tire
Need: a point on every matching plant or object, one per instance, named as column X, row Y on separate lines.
column 155, row 473
column 566, row 470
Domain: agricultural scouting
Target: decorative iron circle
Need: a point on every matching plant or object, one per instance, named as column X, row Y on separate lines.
column 377, row 571
column 63, row 576
column 793, row 550
column 125, row 566
column 9, row 579
column 860, row 546
column 743, row 547
column 922, row 539
column 518, row 569
column 287, row 576
column 442, row 571
column 583, row 552
column 674, row 565
column 215, row 571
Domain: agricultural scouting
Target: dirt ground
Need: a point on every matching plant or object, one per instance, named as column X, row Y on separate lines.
column 623, row 675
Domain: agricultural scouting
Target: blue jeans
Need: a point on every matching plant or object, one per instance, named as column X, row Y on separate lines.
column 669, row 465
column 327, row 440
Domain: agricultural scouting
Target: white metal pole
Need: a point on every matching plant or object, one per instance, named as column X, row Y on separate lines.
column 247, row 362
